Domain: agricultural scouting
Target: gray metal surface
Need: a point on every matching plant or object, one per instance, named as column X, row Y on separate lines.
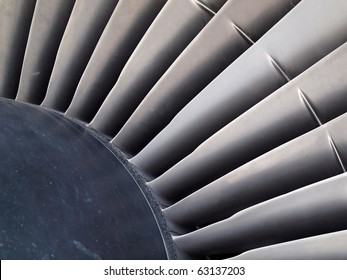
column 50, row 17
column 174, row 28
column 313, row 98
column 228, row 110
column 15, row 18
column 233, row 30
column 262, row 69
column 317, row 155
column 86, row 24
column 292, row 216
column 213, row 5
column 331, row 246
column 128, row 23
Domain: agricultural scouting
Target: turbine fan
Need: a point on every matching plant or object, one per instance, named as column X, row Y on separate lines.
column 189, row 129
